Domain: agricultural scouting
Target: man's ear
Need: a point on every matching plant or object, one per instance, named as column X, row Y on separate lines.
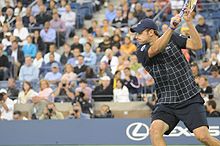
column 151, row 32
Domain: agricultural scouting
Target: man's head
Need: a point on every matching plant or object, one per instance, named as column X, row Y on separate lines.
column 127, row 71
column 11, row 83
column 66, row 48
column 110, row 7
column 145, row 30
column 17, row 115
column 68, row 8
column 46, row 25
column 105, row 81
column 201, row 20
column 54, row 67
column 51, row 57
column 28, row 61
column 83, row 83
column 211, row 105
column 215, row 71
column 87, row 47
column 203, row 82
column 76, row 39
column 194, row 68
column 14, row 45
column 3, row 94
column 52, row 48
column 76, row 52
column 206, row 63
column 80, row 59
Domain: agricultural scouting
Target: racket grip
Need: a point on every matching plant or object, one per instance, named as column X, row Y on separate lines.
column 175, row 23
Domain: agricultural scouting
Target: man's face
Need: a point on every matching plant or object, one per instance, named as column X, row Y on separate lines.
column 28, row 61
column 143, row 37
column 127, row 72
column 51, row 58
column 54, row 69
column 80, row 60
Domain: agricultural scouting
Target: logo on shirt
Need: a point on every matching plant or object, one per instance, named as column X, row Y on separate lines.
column 142, row 48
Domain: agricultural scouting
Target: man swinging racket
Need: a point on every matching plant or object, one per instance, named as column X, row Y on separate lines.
column 178, row 95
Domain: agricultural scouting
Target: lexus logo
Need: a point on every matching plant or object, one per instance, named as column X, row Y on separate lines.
column 137, row 131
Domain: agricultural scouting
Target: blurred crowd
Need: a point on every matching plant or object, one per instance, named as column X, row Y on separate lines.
column 44, row 61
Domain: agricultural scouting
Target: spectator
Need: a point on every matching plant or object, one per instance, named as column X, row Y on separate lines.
column 25, row 96
column 120, row 93
column 84, row 89
column 149, row 13
column 52, row 50
column 89, row 55
column 47, row 67
column 4, row 65
column 195, row 71
column 19, row 9
column 20, row 31
column 214, row 79
column 7, row 106
column 116, row 40
column 6, row 42
column 17, row 115
column 117, row 76
column 111, row 60
column 42, row 17
column 69, row 17
column 203, row 29
column 76, row 44
column 29, row 49
column 33, row 24
column 7, row 4
column 62, row 8
column 211, row 109
column 80, row 67
column 206, row 90
column 69, row 74
column 12, row 89
column 9, row 17
column 84, row 36
column 54, row 76
column 106, row 44
column 45, row 91
column 148, row 5
column 37, row 108
column 135, row 66
column 105, row 112
column 37, row 40
column 106, row 27
column 132, row 84
column 38, row 61
column 50, row 112
column 104, row 91
column 65, row 91
column 66, row 54
column 131, row 19
column 59, row 25
column 104, row 70
column 110, row 14
column 25, row 18
column 28, row 71
column 77, row 113
column 48, row 35
column 128, row 47
column 17, row 57
column 36, row 8
column 139, row 13
column 52, row 6
column 93, row 27
column 119, row 21
column 206, row 67
column 73, row 61
column 125, row 11
column 89, row 74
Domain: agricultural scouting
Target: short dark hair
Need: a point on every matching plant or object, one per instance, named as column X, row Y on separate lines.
column 17, row 113
column 212, row 103
column 83, row 81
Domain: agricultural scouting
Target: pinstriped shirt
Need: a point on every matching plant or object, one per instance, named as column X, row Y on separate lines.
column 173, row 77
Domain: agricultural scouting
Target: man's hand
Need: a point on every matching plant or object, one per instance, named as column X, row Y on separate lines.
column 187, row 15
column 175, row 21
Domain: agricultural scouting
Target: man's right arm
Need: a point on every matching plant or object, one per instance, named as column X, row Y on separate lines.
column 160, row 44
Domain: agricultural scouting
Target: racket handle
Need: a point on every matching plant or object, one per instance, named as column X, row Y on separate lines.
column 175, row 23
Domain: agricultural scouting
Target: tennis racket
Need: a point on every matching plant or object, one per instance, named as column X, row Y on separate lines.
column 190, row 4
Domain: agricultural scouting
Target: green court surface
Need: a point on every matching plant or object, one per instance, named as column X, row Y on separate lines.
column 105, row 145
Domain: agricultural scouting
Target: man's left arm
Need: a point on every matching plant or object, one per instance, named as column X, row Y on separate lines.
column 194, row 42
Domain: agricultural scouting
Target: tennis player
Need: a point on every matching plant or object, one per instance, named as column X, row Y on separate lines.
column 178, row 95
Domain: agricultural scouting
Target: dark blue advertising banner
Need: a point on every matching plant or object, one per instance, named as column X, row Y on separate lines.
column 101, row 131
